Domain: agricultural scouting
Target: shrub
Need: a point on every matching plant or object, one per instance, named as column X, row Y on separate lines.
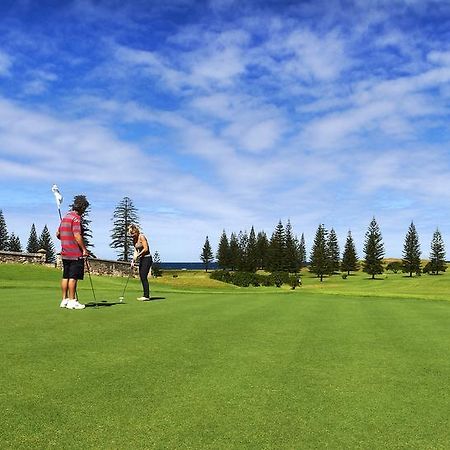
column 278, row 278
column 294, row 281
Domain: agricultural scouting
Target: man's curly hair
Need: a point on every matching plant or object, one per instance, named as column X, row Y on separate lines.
column 80, row 204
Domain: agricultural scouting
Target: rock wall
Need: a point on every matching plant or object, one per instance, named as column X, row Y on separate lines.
column 22, row 258
column 97, row 266
column 109, row 267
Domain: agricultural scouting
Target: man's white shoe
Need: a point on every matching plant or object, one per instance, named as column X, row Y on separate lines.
column 143, row 299
column 63, row 303
column 73, row 304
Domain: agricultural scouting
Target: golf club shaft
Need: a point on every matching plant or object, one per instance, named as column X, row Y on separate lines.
column 126, row 283
column 90, row 279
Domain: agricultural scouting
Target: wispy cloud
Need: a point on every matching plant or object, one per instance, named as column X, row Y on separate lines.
column 5, row 64
column 224, row 114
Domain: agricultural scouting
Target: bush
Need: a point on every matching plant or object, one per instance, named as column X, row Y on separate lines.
column 294, row 281
column 221, row 275
column 394, row 266
column 278, row 278
column 246, row 279
column 344, row 276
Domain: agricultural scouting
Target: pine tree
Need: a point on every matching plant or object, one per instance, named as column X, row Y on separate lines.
column 4, row 239
column 243, row 251
column 437, row 255
column 46, row 243
column 291, row 263
column 33, row 241
column 277, row 249
column 14, row 244
column 156, row 266
column 319, row 260
column 252, row 253
column 223, row 252
column 349, row 257
column 333, row 252
column 262, row 250
column 124, row 215
column 302, row 252
column 374, row 250
column 411, row 252
column 234, row 254
column 207, row 254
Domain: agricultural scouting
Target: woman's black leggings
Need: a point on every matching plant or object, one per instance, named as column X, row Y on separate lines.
column 145, row 265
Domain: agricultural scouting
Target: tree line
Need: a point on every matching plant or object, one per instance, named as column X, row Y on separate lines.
column 284, row 252
column 10, row 242
column 124, row 214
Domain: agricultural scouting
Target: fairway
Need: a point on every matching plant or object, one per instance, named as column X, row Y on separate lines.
column 217, row 367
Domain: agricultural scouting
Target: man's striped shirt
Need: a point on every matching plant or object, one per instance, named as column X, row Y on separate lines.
column 70, row 224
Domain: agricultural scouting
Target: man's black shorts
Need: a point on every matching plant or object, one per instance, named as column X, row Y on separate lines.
column 73, row 268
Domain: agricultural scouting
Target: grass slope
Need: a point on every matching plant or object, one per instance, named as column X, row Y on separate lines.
column 221, row 368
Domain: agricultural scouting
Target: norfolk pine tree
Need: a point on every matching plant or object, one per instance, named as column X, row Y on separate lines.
column 277, row 253
column 411, row 252
column 243, row 251
column 156, row 265
column 33, row 242
column 223, row 252
column 262, row 250
column 437, row 255
column 14, row 244
column 234, row 254
column 349, row 257
column 374, row 250
column 252, row 253
column 207, row 254
column 319, row 260
column 292, row 263
column 46, row 243
column 4, row 240
column 124, row 215
column 302, row 252
column 333, row 252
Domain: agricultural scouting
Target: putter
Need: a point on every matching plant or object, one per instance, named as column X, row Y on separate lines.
column 126, row 283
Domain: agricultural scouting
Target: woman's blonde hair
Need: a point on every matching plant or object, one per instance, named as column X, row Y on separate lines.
column 133, row 228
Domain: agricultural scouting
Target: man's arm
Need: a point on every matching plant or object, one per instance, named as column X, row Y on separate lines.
column 80, row 243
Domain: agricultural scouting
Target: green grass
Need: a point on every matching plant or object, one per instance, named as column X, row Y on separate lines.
column 343, row 364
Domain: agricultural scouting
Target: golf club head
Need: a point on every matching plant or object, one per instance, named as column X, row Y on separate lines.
column 121, row 299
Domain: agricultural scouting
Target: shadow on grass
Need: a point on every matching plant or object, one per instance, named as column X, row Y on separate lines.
column 155, row 298
column 102, row 303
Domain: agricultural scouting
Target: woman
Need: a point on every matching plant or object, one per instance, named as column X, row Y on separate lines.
column 142, row 252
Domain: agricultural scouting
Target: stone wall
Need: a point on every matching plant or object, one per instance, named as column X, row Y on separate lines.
column 97, row 266
column 109, row 267
column 22, row 258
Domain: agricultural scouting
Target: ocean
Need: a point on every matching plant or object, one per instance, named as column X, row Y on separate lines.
column 186, row 265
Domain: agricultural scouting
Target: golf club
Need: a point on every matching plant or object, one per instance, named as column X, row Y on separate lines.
column 126, row 283
column 90, row 279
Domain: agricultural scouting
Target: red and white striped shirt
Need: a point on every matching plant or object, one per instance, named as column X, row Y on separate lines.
column 70, row 224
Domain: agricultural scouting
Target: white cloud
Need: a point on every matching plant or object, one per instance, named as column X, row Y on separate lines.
column 5, row 64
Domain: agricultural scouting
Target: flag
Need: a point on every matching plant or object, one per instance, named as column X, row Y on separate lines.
column 58, row 196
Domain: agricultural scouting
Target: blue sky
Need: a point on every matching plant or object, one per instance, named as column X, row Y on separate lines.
column 224, row 114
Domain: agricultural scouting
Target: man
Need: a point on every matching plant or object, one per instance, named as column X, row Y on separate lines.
column 73, row 252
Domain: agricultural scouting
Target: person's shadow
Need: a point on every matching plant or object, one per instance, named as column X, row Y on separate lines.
column 154, row 298
column 102, row 303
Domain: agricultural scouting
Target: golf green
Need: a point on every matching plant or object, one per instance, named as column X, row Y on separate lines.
column 212, row 368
